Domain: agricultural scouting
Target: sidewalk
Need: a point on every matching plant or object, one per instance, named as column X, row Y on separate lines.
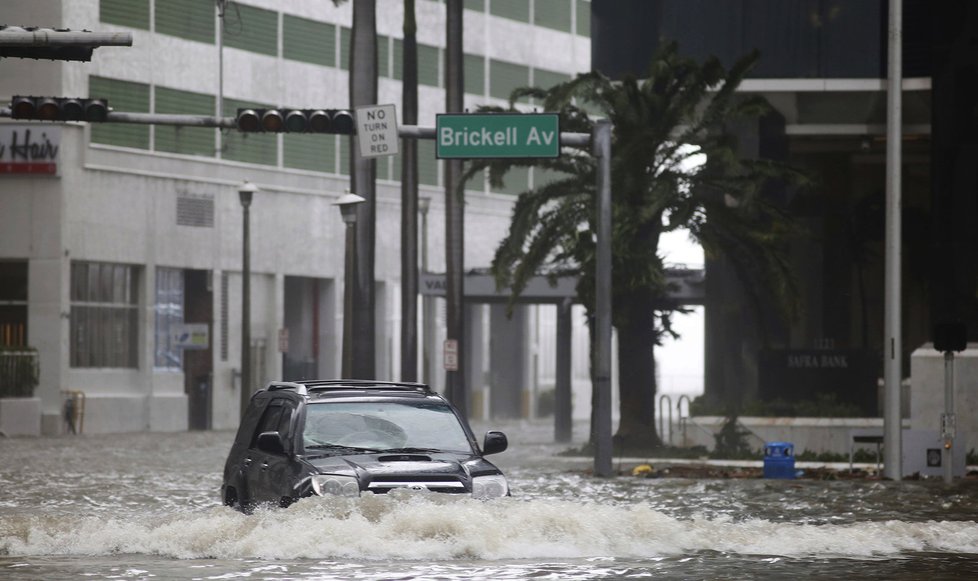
column 533, row 441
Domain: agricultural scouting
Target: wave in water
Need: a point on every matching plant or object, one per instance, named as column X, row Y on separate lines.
column 428, row 526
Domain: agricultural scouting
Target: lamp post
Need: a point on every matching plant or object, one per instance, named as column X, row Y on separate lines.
column 424, row 203
column 348, row 210
column 246, row 192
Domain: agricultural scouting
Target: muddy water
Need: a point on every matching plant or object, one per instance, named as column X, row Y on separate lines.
column 145, row 506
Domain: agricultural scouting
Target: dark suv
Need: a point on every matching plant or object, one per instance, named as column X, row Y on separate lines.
column 348, row 437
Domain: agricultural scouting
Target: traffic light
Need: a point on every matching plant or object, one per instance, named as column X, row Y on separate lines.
column 58, row 109
column 296, row 121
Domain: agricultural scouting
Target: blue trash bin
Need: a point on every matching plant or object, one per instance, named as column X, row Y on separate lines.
column 779, row 460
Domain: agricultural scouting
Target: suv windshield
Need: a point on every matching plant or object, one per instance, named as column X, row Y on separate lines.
column 383, row 426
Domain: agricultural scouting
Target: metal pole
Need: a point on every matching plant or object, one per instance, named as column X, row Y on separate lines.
column 363, row 171
column 170, row 119
column 246, row 378
column 221, row 7
column 948, row 423
column 19, row 37
column 409, row 201
column 893, row 344
column 349, row 284
column 454, row 214
column 427, row 308
column 563, row 426
column 601, row 140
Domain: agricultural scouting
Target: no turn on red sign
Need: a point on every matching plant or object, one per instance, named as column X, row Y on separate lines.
column 377, row 130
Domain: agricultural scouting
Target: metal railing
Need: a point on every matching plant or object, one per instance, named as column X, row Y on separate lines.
column 683, row 420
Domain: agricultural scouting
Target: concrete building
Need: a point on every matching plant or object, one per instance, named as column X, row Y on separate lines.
column 129, row 244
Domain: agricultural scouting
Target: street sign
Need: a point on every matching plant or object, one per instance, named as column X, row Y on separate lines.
column 497, row 135
column 377, row 130
column 451, row 355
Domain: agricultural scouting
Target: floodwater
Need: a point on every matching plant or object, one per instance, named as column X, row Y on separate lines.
column 146, row 506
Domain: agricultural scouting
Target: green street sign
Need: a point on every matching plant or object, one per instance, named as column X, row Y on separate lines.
column 495, row 135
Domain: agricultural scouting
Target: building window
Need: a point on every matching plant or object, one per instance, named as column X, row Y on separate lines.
column 249, row 147
column 131, row 13
column 13, row 303
column 584, row 18
column 186, row 140
column 545, row 79
column 308, row 41
column 104, row 315
column 513, row 9
column 189, row 19
column 122, row 96
column 254, row 29
column 515, row 181
column 475, row 74
column 504, row 77
column 346, row 37
column 555, row 14
column 428, row 66
column 427, row 163
column 310, row 152
column 169, row 314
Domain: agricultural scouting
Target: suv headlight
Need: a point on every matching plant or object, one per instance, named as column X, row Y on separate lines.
column 335, row 485
column 492, row 486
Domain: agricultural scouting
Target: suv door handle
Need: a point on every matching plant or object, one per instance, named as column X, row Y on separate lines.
column 264, row 465
column 246, row 462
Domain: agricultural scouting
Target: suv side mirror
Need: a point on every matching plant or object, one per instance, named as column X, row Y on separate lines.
column 494, row 443
column 271, row 442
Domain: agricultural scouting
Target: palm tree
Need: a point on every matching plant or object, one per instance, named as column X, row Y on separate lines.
column 662, row 125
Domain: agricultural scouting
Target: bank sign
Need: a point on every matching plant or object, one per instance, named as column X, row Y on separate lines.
column 497, row 135
column 29, row 149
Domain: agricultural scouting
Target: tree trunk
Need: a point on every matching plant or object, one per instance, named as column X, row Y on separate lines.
column 636, row 375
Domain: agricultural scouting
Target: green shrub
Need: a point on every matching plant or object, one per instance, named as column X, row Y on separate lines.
column 825, row 405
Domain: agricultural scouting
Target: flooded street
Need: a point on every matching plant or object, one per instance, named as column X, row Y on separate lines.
column 146, row 506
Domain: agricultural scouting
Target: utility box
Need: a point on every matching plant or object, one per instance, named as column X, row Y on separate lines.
column 922, row 453
column 779, row 460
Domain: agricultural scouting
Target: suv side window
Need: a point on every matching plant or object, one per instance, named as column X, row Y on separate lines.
column 277, row 418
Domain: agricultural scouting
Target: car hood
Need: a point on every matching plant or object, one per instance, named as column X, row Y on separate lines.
column 379, row 472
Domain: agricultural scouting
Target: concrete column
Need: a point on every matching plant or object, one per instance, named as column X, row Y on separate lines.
column 508, row 355
column 475, row 342
column 562, row 392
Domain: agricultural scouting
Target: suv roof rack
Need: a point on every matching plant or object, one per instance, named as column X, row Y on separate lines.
column 304, row 386
column 297, row 387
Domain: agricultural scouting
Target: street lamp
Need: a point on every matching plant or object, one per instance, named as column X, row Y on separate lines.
column 427, row 312
column 246, row 192
column 348, row 210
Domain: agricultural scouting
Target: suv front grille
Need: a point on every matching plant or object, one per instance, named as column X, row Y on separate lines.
column 446, row 486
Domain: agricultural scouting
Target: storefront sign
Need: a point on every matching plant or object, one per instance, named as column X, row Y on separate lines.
column 29, row 149
column 190, row 336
